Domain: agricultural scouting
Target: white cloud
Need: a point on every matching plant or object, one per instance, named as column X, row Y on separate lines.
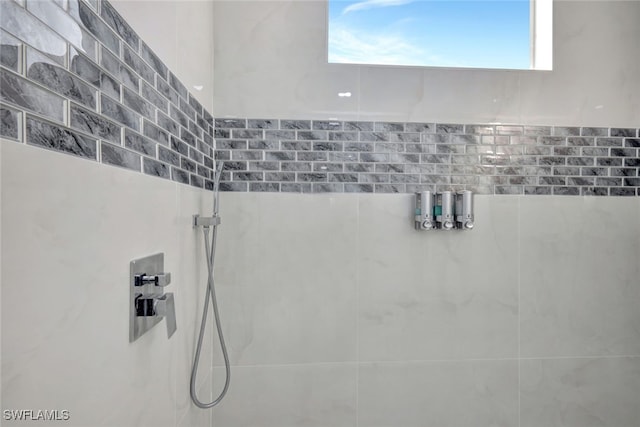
column 370, row 4
column 351, row 47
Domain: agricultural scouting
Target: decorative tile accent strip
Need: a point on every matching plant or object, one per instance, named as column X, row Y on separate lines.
column 383, row 157
column 120, row 111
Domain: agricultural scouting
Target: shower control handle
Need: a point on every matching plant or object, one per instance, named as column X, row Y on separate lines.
column 161, row 279
column 164, row 306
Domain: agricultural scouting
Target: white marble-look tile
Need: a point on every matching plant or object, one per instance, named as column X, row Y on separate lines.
column 191, row 264
column 271, row 61
column 283, row 70
column 181, row 34
column 70, row 229
column 585, row 392
column 314, row 395
column 599, row 94
column 392, row 93
column 443, row 394
column 291, row 298
column 437, row 295
column 199, row 417
column 579, row 276
column 482, row 96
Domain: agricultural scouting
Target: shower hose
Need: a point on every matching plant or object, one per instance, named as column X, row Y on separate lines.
column 210, row 291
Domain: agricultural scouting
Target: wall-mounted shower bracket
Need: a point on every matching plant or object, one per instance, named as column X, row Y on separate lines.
column 205, row 221
column 148, row 303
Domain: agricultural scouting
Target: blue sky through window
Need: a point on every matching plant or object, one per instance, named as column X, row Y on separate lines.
column 445, row 33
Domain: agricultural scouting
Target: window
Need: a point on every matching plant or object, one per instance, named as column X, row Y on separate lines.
column 511, row 34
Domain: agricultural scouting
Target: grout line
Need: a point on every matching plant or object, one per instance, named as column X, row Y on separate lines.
column 519, row 319
column 428, row 361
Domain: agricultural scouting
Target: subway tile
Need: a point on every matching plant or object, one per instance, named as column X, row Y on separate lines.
column 165, row 89
column 64, row 25
column 20, row 92
column 84, row 67
column 119, row 25
column 119, row 113
column 31, row 30
column 280, row 176
column 168, row 156
column 10, row 123
column 535, row 190
column 118, row 156
column 187, row 109
column 94, row 124
column 53, row 137
column 326, row 125
column 594, row 191
column 196, row 155
column 609, row 142
column 263, row 124
column 295, row 124
column 153, row 132
column 139, row 143
column 617, row 191
column 295, row 187
column 263, row 166
column 153, row 60
column 623, row 172
column 138, row 104
column 187, row 137
column 155, row 168
column 421, row 127
column 264, row 186
column 593, row 131
column 85, row 16
column 565, row 131
column 323, row 187
column 178, row 116
column 203, row 171
column 10, row 52
column 166, row 123
column 234, row 186
column 623, row 132
column 374, row 136
column 59, row 80
column 123, row 74
column 177, row 85
column 537, row 130
column 262, row 144
column 449, row 128
column 138, row 65
column 388, row 127
column 179, row 175
column 196, row 181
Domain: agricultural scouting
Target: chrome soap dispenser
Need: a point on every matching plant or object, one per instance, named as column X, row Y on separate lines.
column 424, row 211
column 464, row 210
column 444, row 210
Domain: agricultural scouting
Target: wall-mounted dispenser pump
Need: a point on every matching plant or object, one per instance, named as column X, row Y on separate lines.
column 445, row 210
column 424, row 211
column 464, row 210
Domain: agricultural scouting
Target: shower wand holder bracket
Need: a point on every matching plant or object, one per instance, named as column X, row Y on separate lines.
column 148, row 303
column 205, row 221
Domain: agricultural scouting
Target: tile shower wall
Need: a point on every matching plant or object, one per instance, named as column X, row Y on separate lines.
column 80, row 92
column 77, row 79
column 338, row 313
column 387, row 157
